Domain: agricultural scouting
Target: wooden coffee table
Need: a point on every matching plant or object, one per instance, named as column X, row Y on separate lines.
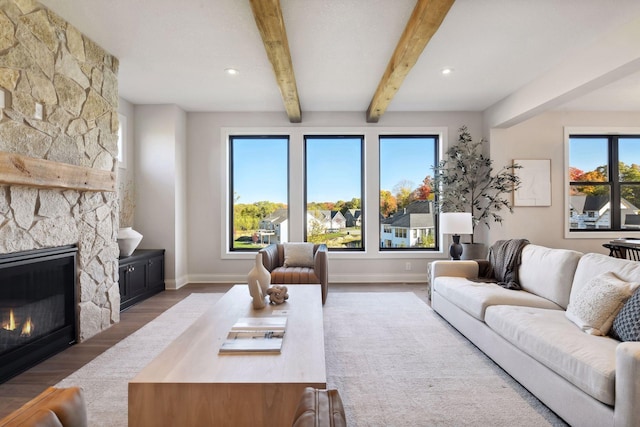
column 190, row 384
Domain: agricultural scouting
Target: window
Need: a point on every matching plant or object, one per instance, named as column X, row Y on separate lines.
column 333, row 191
column 258, row 191
column 122, row 141
column 406, row 198
column 604, row 182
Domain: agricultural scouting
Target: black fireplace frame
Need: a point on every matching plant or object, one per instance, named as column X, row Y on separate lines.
column 22, row 358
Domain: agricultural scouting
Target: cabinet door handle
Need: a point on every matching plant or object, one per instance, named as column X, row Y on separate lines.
column 150, row 262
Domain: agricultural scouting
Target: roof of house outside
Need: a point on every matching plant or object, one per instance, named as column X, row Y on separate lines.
column 418, row 214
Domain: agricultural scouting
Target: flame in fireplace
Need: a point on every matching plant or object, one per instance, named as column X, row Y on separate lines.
column 27, row 328
column 11, row 324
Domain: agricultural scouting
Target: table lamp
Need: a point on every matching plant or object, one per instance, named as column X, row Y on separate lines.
column 456, row 223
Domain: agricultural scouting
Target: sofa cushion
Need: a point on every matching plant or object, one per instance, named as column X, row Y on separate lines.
column 475, row 297
column 587, row 361
column 594, row 306
column 626, row 325
column 298, row 254
column 293, row 275
column 548, row 272
column 592, row 264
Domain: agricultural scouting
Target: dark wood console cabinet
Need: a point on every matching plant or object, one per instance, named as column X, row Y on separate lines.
column 141, row 276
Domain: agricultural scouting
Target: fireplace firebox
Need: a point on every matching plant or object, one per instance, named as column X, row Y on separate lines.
column 37, row 306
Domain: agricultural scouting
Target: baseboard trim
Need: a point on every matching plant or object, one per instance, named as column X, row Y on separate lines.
column 177, row 283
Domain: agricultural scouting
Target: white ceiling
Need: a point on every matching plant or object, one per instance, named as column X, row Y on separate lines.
column 176, row 51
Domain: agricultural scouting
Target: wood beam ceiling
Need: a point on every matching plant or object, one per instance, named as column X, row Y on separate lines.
column 268, row 16
column 424, row 22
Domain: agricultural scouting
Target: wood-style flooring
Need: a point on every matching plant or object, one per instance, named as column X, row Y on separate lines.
column 24, row 387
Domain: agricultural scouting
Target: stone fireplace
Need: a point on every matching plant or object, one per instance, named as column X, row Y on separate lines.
column 46, row 64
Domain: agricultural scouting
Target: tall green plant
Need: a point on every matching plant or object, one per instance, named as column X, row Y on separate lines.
column 465, row 182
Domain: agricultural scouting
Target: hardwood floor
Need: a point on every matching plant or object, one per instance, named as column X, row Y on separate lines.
column 22, row 388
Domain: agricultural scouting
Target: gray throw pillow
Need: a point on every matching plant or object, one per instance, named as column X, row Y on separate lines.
column 298, row 254
column 626, row 325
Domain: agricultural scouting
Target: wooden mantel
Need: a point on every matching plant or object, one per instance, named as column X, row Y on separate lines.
column 16, row 169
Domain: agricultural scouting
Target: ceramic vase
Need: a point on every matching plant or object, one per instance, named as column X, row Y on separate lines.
column 258, row 279
column 128, row 240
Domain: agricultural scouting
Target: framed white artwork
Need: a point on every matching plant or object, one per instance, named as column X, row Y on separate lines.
column 535, row 187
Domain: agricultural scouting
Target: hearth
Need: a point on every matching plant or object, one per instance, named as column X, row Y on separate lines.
column 37, row 306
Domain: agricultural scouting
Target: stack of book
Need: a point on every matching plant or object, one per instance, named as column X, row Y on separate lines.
column 255, row 335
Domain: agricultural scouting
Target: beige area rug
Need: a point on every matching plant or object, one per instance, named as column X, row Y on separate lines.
column 395, row 362
column 105, row 379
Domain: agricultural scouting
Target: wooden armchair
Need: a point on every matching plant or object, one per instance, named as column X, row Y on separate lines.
column 317, row 271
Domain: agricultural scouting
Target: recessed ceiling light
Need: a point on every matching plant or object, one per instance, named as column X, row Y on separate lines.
column 231, row 71
column 446, row 71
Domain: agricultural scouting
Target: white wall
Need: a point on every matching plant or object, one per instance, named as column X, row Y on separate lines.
column 160, row 185
column 542, row 137
column 181, row 223
column 206, row 182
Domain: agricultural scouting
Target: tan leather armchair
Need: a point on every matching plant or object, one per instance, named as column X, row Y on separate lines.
column 273, row 260
column 54, row 407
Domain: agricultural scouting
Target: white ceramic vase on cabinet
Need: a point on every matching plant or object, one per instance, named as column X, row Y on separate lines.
column 128, row 240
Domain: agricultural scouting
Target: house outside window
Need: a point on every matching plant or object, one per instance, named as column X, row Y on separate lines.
column 334, row 190
column 258, row 191
column 406, row 196
column 604, row 182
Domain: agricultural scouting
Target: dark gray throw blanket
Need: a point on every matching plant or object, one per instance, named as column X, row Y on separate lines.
column 504, row 260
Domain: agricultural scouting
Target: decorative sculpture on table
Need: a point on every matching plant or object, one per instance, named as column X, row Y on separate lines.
column 258, row 280
column 277, row 294
column 256, row 295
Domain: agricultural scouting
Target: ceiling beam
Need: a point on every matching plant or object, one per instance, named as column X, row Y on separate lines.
column 423, row 23
column 268, row 16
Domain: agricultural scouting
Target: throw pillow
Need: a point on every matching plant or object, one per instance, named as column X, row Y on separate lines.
column 298, row 254
column 626, row 325
column 594, row 307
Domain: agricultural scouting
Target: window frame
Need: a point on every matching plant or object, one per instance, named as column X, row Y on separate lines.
column 610, row 134
column 219, row 163
column 230, row 193
column 361, row 137
column 437, row 148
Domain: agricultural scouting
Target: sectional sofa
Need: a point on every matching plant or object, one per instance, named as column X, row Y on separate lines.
column 536, row 336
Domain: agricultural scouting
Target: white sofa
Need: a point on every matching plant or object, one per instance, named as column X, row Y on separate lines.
column 587, row 380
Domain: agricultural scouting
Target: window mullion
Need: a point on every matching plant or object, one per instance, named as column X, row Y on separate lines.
column 614, row 179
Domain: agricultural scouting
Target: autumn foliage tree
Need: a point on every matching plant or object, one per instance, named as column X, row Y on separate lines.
column 425, row 190
column 388, row 204
column 402, row 192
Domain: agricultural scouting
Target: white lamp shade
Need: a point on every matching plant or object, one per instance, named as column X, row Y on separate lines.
column 456, row 223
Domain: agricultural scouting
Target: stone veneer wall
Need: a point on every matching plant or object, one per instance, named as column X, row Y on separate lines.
column 44, row 59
